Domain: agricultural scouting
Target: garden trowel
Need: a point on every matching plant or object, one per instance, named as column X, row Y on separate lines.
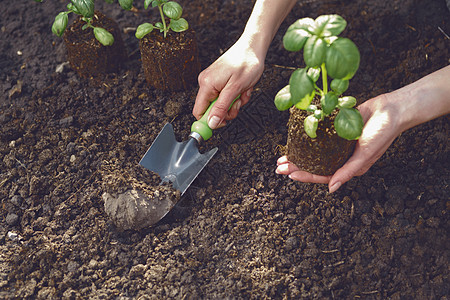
column 180, row 162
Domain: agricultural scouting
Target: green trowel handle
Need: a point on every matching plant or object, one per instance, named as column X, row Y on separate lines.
column 201, row 126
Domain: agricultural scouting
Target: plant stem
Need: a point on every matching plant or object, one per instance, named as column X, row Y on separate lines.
column 163, row 20
column 324, row 79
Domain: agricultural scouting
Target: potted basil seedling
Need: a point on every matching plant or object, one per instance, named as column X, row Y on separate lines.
column 93, row 42
column 168, row 47
column 323, row 124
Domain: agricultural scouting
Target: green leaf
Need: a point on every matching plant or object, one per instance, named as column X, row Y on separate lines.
column 346, row 102
column 84, row 7
column 147, row 3
column 297, row 34
column 103, row 36
column 318, row 114
column 311, row 108
column 126, row 4
column 314, row 73
column 301, row 88
column 310, row 124
column 172, row 10
column 143, row 30
column 155, row 3
column 178, row 25
column 159, row 25
column 329, row 25
column 72, row 8
column 283, row 99
column 329, row 103
column 349, row 123
column 314, row 52
column 60, row 23
column 339, row 86
column 342, row 59
column 109, row 1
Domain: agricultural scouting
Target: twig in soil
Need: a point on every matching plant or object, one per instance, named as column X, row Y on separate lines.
column 329, row 251
column 336, row 264
column 283, row 67
column 443, row 32
column 370, row 293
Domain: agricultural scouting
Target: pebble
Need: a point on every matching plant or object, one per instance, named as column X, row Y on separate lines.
column 16, row 200
column 11, row 219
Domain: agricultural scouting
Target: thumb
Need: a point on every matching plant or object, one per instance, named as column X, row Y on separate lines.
column 221, row 106
column 355, row 166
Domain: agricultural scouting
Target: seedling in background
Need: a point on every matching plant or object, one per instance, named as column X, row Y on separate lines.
column 325, row 55
column 84, row 8
column 170, row 9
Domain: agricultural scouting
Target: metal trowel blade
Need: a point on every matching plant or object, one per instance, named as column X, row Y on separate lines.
column 175, row 162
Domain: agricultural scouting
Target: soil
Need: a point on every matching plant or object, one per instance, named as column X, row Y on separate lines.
column 240, row 231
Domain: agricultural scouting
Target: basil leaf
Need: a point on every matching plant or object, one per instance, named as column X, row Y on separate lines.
column 342, row 59
column 126, row 4
column 347, row 102
column 85, row 7
column 301, row 88
column 178, row 25
column 314, row 52
column 349, row 123
column 329, row 25
column 103, row 36
column 143, row 30
column 172, row 10
column 310, row 124
column 339, row 86
column 60, row 24
column 283, row 99
column 329, row 103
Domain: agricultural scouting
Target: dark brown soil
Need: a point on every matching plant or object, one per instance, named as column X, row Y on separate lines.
column 170, row 63
column 240, row 231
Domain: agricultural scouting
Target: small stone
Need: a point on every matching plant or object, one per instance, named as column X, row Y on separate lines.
column 137, row 271
column 72, row 158
column 16, row 200
column 11, row 219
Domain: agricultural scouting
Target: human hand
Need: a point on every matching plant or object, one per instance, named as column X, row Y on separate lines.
column 380, row 129
column 235, row 72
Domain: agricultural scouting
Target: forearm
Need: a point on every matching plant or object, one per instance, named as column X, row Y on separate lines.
column 423, row 100
column 264, row 21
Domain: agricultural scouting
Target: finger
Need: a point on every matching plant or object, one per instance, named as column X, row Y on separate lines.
column 234, row 110
column 286, row 169
column 282, row 160
column 357, row 165
column 205, row 95
column 308, row 177
column 220, row 109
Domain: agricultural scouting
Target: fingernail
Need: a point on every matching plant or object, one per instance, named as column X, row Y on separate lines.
column 238, row 104
column 249, row 93
column 335, row 187
column 213, row 122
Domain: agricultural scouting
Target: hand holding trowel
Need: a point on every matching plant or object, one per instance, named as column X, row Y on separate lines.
column 180, row 162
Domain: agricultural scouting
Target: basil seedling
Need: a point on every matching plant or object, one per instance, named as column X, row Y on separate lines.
column 327, row 55
column 170, row 9
column 85, row 8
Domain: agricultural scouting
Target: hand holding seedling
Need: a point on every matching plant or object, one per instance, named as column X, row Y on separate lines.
column 85, row 8
column 170, row 9
column 385, row 116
